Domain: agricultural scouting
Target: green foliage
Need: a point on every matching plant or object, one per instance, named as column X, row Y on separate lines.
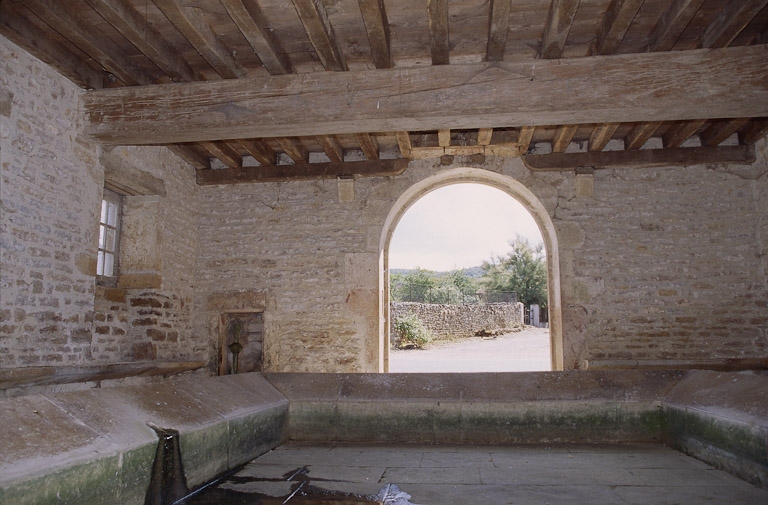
column 523, row 270
column 412, row 331
column 425, row 286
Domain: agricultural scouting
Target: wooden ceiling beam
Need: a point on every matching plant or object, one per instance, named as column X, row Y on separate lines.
column 616, row 21
column 193, row 25
column 524, row 140
column 498, row 28
column 318, row 27
column 632, row 88
column 193, row 154
column 444, row 137
column 734, row 17
column 484, row 136
column 680, row 132
column 254, row 26
column 753, row 131
column 62, row 17
column 672, row 23
column 260, row 151
column 369, row 145
column 294, row 149
column 601, row 135
column 331, row 146
column 678, row 156
column 377, row 27
column 302, row 171
column 557, row 28
column 224, row 152
column 405, row 145
column 438, row 31
column 132, row 25
column 720, row 130
column 563, row 137
column 16, row 27
column 639, row 135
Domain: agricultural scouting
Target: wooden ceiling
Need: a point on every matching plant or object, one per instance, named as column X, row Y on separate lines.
column 264, row 90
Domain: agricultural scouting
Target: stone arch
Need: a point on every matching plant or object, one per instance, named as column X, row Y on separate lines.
column 513, row 188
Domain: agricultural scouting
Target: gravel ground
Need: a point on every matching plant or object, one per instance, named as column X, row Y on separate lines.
column 524, row 351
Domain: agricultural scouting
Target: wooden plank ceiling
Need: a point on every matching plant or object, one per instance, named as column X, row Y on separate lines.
column 127, row 50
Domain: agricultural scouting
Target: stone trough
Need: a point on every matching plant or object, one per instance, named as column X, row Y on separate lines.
column 98, row 446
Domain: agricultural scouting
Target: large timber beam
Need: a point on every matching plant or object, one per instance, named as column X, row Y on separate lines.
column 676, row 156
column 302, row 171
column 732, row 82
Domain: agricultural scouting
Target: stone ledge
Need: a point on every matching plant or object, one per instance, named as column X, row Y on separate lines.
column 95, row 446
column 47, row 375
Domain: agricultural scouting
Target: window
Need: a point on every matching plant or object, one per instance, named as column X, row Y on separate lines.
column 109, row 235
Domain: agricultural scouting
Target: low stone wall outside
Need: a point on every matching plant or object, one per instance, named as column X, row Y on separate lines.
column 454, row 321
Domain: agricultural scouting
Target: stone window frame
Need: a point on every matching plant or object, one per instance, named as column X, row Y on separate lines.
column 110, row 223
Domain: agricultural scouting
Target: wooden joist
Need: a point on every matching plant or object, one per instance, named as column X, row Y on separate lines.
column 601, row 135
column 332, row 147
column 617, row 88
column 302, row 171
column 224, row 152
column 294, row 149
column 191, row 23
column 678, row 156
column 615, row 24
column 16, row 27
column 260, row 151
column 498, row 27
column 250, row 19
column 132, row 25
column 64, row 20
column 484, row 136
column 405, row 145
column 720, row 130
column 193, row 154
column 563, row 137
column 369, row 145
column 314, row 17
column 524, row 141
column 557, row 27
column 639, row 135
column 438, row 31
column 377, row 27
column 680, row 132
column 730, row 22
column 672, row 23
column 753, row 131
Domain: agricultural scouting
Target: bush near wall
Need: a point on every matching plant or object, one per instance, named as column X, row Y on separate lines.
column 458, row 321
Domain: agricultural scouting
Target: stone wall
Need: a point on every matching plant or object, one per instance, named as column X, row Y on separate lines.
column 52, row 312
column 458, row 321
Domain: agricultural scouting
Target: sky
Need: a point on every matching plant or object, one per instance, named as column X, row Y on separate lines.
column 459, row 226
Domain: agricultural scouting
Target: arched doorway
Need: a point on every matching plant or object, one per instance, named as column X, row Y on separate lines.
column 516, row 190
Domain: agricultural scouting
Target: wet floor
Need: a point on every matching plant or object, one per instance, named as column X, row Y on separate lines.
column 351, row 474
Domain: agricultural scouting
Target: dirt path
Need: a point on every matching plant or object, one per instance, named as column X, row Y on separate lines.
column 523, row 351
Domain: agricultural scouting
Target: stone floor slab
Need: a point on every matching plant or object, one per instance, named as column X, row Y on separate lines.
column 489, row 475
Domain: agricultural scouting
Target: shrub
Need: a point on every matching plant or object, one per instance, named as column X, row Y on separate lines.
column 412, row 332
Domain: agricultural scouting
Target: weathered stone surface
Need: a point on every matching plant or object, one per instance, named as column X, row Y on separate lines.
column 96, row 447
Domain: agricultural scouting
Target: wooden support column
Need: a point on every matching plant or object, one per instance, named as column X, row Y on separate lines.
column 557, row 28
column 639, row 135
column 498, row 27
column 615, row 24
column 332, row 147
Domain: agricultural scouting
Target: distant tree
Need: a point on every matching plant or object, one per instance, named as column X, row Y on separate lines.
column 426, row 286
column 414, row 286
column 522, row 270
